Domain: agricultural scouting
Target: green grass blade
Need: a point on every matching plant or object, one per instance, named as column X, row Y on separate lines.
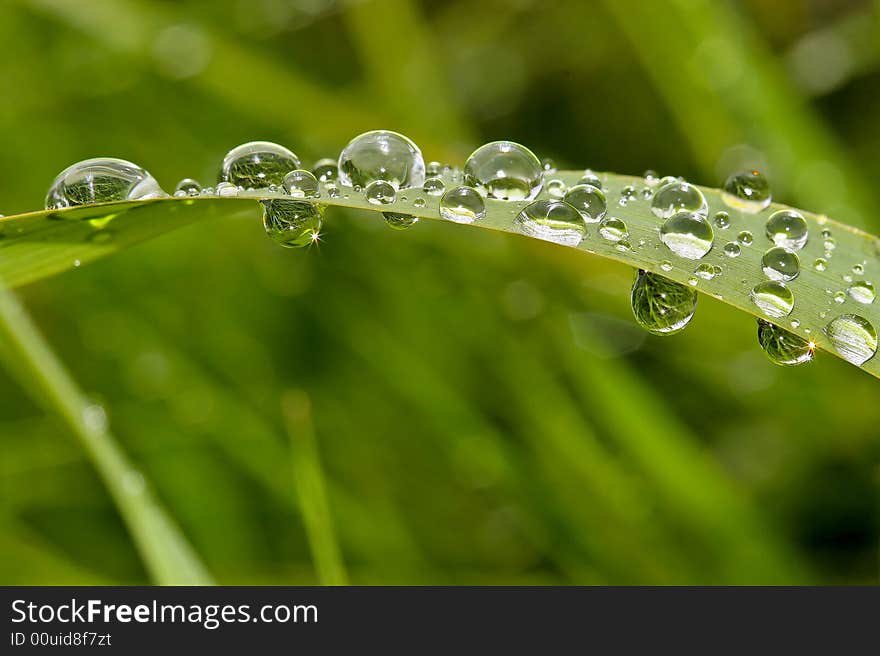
column 167, row 555
column 311, row 489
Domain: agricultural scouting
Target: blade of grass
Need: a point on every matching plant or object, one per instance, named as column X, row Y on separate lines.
column 167, row 555
column 311, row 490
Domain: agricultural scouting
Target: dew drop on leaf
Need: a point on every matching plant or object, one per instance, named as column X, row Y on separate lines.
column 660, row 305
column 773, row 298
column 381, row 155
column 292, row 223
column 380, row 192
column 787, row 228
column 552, row 220
column 783, row 347
column 853, row 336
column 687, row 234
column 781, row 264
column 588, row 200
column 504, row 170
column 101, row 180
column 747, row 191
column 257, row 165
column 301, row 184
column 678, row 196
column 462, row 205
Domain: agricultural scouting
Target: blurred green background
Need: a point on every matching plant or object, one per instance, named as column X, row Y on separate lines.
column 485, row 408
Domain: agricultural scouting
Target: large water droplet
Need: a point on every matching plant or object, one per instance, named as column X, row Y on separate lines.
column 784, row 347
column 861, row 291
column 381, row 155
column 326, row 170
column 660, row 305
column 853, row 337
column 773, row 298
column 301, row 184
column 613, row 229
column 780, row 264
column 552, row 220
column 292, row 223
column 677, row 196
column 588, row 200
column 687, row 234
column 462, row 205
column 504, row 170
column 787, row 228
column 747, row 191
column 257, row 164
column 101, row 180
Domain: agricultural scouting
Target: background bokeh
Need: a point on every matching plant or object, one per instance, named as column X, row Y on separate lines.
column 485, row 408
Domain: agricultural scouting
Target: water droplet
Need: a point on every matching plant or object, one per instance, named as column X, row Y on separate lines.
column 612, row 229
column 556, row 188
column 780, row 264
column 590, row 178
column 732, row 249
column 773, row 298
column 326, row 170
column 853, row 337
column 839, row 297
column 94, row 417
column 830, row 244
column 381, row 155
column 462, row 205
column 745, row 238
column 588, row 200
column 301, row 184
column 552, row 220
column 687, row 234
column 380, row 192
column 784, row 347
column 722, row 220
column 292, row 223
column 187, row 187
column 677, row 196
column 419, row 202
column 434, row 186
column 101, row 180
column 661, row 306
column 399, row 221
column 226, row 189
column 862, row 291
column 548, row 165
column 706, row 271
column 858, row 269
column 651, row 178
column 820, row 264
column 747, row 191
column 787, row 228
column 433, row 169
column 504, row 170
column 257, row 164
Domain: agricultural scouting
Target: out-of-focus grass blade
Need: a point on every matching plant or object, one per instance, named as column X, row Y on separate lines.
column 165, row 551
column 311, row 489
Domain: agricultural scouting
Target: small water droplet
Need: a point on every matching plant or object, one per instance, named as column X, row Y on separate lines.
column 732, row 249
column 830, row 244
column 292, row 223
column 419, row 202
column 787, row 228
column 780, row 264
column 257, row 165
column 187, row 187
column 858, row 269
column 462, row 205
column 722, row 220
column 226, row 189
column 706, row 271
column 326, row 170
column 552, row 220
column 548, row 165
column 434, row 186
column 588, row 200
column 380, row 192
column 650, row 177
column 839, row 297
column 745, row 238
column 773, row 298
column 556, row 188
column 747, row 191
column 301, row 184
column 660, row 305
column 101, row 180
column 381, row 155
column 504, row 170
column 675, row 197
column 612, row 229
column 861, row 291
column 590, row 178
column 687, row 234
column 94, row 417
column 784, row 347
column 853, row 337
column 820, row 264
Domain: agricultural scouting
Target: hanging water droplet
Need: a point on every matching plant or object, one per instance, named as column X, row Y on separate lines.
column 434, row 186
column 861, row 291
column 187, row 187
column 612, row 229
column 556, row 188
column 292, row 223
column 257, row 165
column 552, row 220
column 732, row 249
column 301, row 184
column 399, row 221
column 590, row 178
column 588, row 200
column 780, row 264
column 504, row 170
column 687, row 234
column 381, row 155
column 853, row 337
column 101, row 180
column 722, row 220
column 820, row 264
column 661, row 306
column 745, row 238
column 773, row 298
column 787, row 228
column 462, row 205
column 784, row 347
column 226, row 189
column 380, row 192
column 326, row 170
column 747, row 191
column 675, row 197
